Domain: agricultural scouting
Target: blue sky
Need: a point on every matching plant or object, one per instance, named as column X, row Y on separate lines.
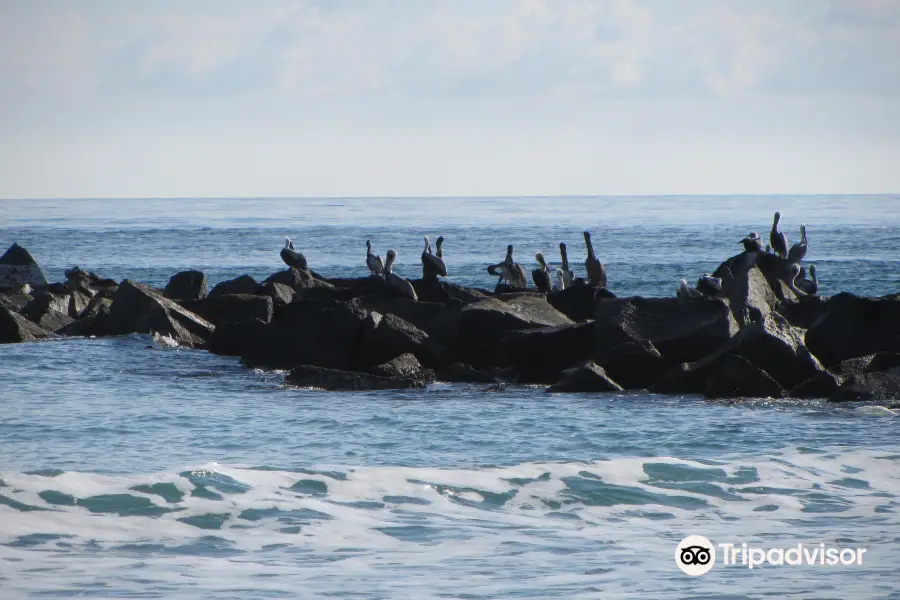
column 403, row 97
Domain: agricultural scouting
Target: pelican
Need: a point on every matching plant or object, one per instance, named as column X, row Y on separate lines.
column 752, row 243
column 595, row 269
column 685, row 291
column 541, row 275
column 400, row 285
column 778, row 239
column 373, row 261
column 768, row 249
column 567, row 275
column 509, row 270
column 798, row 250
column 792, row 281
column 438, row 244
column 560, row 283
column 291, row 257
column 809, row 286
column 432, row 265
column 709, row 285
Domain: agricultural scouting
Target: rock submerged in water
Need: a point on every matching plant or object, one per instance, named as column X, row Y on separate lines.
column 137, row 308
column 587, row 378
column 351, row 381
column 15, row 328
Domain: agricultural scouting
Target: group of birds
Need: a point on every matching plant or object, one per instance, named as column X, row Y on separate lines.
column 432, row 266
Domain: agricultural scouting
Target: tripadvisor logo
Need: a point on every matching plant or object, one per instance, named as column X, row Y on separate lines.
column 696, row 555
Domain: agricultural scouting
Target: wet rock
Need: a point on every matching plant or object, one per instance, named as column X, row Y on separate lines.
column 406, row 365
column 137, row 308
column 186, row 285
column 45, row 303
column 853, row 326
column 15, row 328
column 339, row 380
column 233, row 338
column 541, row 355
column 577, row 303
column 463, row 373
column 686, row 378
column 879, row 362
column 18, row 268
column 387, row 336
column 239, row 285
column 738, row 378
column 822, row 385
column 633, row 365
column 280, row 293
column 585, row 378
column 804, row 312
column 232, row 307
column 868, row 387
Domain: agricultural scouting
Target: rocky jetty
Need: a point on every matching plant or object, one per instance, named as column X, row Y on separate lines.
column 756, row 335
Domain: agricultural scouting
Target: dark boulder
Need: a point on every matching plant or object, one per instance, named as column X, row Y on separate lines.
column 280, row 293
column 137, row 308
column 463, row 373
column 853, row 326
column 324, row 334
column 879, row 362
column 540, row 355
column 445, row 292
column 15, row 328
column 186, row 285
column 586, row 378
column 750, row 296
column 577, row 302
column 804, row 312
column 79, row 300
column 54, row 321
column 387, row 336
column 233, row 338
column 94, row 321
column 868, row 387
column 406, row 365
column 633, row 365
column 239, row 285
column 439, row 321
column 298, row 279
column 338, row 380
column 232, row 307
column 78, row 279
column 57, row 289
column 18, row 268
column 822, row 385
column 776, row 270
column 49, row 311
column 738, row 378
column 15, row 301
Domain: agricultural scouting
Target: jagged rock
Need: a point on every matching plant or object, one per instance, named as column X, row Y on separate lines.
column 324, row 334
column 541, row 355
column 355, row 287
column 44, row 303
column 339, row 380
column 94, row 321
column 54, row 321
column 853, row 326
column 577, row 302
column 280, row 293
column 440, row 321
column 750, row 296
column 186, row 285
column 868, row 386
column 682, row 330
column 804, row 312
column 738, row 378
column 239, row 285
column 445, row 292
column 298, row 279
column 776, row 270
column 406, row 365
column 232, row 307
column 880, row 362
column 57, row 289
column 137, row 308
column 79, row 301
column 388, row 336
column 822, row 385
column 15, row 301
column 15, row 328
column 18, row 268
column 585, row 378
column 463, row 373
column 633, row 365
column 233, row 338
column 78, row 279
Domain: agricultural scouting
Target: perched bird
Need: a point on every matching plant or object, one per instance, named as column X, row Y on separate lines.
column 595, row 269
column 541, row 275
column 373, row 261
column 510, row 271
column 432, row 266
column 752, row 243
column 809, row 286
column 403, row 287
column 709, row 285
column 567, row 275
column 685, row 291
column 560, row 282
column 798, row 250
column 438, row 245
column 291, row 257
column 778, row 239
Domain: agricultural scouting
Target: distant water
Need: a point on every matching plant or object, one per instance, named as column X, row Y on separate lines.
column 132, row 471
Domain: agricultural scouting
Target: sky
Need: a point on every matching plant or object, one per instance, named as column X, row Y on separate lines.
column 225, row 98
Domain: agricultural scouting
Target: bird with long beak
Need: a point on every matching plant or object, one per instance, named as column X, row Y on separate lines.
column 400, row 285
column 432, row 266
column 541, row 275
column 595, row 269
column 373, row 261
column 291, row 257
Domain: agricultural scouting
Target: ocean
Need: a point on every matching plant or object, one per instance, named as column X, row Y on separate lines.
column 131, row 470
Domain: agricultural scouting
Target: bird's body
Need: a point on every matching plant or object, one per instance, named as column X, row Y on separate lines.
column 798, row 250
column 685, row 291
column 510, row 271
column 809, row 286
column 752, row 242
column 567, row 275
column 595, row 269
column 778, row 239
column 559, row 283
column 709, row 285
column 541, row 275
column 400, row 285
column 432, row 266
column 373, row 261
column 291, row 257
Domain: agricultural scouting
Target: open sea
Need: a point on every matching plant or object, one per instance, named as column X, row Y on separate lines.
column 129, row 470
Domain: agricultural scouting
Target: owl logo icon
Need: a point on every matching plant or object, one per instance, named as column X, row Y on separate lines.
column 695, row 555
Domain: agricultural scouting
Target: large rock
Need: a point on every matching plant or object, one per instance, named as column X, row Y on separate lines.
column 406, row 365
column 186, row 285
column 94, row 321
column 540, row 355
column 776, row 270
column 440, row 321
column 234, row 338
column 298, row 279
column 445, row 292
column 633, row 365
column 879, row 362
column 822, row 385
column 576, row 302
column 682, row 330
column 868, row 387
column 804, row 312
column 15, row 328
column 583, row 379
column 324, row 334
column 232, row 307
column 738, row 378
column 463, row 373
column 79, row 301
column 239, row 285
column 45, row 303
column 853, row 326
column 15, row 301
column 339, row 380
column 18, row 268
column 137, row 308
column 751, row 297
column 280, row 293
column 387, row 336
column 78, row 279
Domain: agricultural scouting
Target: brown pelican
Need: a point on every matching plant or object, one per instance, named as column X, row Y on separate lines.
column 541, row 275
column 567, row 275
column 510, row 271
column 400, row 285
column 798, row 250
column 291, row 257
column 685, row 291
column 560, row 283
column 432, row 265
column 752, row 243
column 595, row 269
column 709, row 285
column 438, row 244
column 778, row 239
column 809, row 286
column 373, row 261
column 792, row 279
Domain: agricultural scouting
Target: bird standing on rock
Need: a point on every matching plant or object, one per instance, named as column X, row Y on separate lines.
column 798, row 250
column 432, row 266
column 685, row 291
column 595, row 269
column 510, row 271
column 752, row 243
column 373, row 261
column 291, row 257
column 809, row 286
column 567, row 275
column 541, row 275
column 778, row 239
column 403, row 287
